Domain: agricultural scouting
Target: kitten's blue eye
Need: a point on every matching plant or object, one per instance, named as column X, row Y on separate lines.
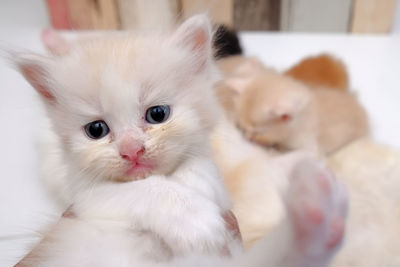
column 157, row 114
column 97, row 129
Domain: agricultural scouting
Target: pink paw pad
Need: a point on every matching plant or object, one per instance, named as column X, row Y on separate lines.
column 337, row 233
column 317, row 207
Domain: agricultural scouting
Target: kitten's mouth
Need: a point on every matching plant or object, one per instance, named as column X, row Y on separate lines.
column 139, row 170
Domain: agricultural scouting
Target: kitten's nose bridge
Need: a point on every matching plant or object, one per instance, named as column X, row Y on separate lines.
column 130, row 148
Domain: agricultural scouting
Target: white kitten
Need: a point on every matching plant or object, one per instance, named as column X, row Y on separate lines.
column 133, row 118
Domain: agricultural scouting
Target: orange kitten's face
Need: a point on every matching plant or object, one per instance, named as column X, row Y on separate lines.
column 269, row 110
column 126, row 108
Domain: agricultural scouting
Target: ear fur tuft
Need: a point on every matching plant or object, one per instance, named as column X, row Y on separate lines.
column 195, row 34
column 34, row 68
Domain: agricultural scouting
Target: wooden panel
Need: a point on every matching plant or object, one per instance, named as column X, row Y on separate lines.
column 373, row 16
column 220, row 11
column 59, row 14
column 105, row 15
column 256, row 15
column 79, row 14
column 316, row 15
column 148, row 15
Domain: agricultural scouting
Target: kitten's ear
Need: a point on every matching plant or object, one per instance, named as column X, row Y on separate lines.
column 251, row 67
column 195, row 34
column 237, row 84
column 54, row 43
column 35, row 69
column 244, row 74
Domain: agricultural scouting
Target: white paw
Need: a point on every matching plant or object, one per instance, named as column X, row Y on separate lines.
column 199, row 228
column 317, row 207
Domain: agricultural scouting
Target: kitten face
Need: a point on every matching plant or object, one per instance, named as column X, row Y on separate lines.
column 270, row 109
column 125, row 85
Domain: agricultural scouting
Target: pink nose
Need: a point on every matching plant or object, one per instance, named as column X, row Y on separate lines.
column 131, row 150
column 132, row 155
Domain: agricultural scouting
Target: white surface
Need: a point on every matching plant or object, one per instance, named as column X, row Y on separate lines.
column 373, row 62
column 24, row 205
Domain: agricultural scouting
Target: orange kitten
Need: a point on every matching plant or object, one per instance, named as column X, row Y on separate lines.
column 278, row 111
column 321, row 70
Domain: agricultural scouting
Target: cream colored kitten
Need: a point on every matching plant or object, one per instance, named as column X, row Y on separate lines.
column 123, row 110
column 277, row 111
column 132, row 117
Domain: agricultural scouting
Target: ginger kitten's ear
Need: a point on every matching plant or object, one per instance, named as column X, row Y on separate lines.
column 244, row 75
column 195, row 34
column 251, row 67
column 54, row 43
column 35, row 69
column 237, row 84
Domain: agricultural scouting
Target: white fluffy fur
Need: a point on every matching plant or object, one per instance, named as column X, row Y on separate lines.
column 174, row 215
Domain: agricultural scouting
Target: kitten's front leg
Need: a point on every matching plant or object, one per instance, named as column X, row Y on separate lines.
column 317, row 208
column 183, row 219
column 314, row 228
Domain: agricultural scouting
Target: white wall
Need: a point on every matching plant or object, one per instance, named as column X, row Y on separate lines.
column 301, row 15
column 396, row 23
column 23, row 14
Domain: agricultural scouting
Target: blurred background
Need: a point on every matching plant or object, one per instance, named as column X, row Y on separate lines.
column 340, row 16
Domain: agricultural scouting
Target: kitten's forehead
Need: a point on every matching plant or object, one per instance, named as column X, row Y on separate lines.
column 122, row 74
column 137, row 58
